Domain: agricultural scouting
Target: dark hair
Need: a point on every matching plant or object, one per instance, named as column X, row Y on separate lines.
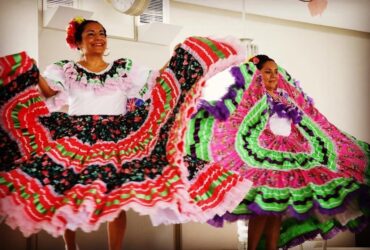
column 260, row 60
column 81, row 27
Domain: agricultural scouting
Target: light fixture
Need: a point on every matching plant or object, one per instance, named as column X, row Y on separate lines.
column 130, row 7
column 251, row 48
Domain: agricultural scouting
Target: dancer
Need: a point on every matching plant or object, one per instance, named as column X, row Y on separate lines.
column 308, row 177
column 64, row 171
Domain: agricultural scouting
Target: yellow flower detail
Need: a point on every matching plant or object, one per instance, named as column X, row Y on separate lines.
column 79, row 19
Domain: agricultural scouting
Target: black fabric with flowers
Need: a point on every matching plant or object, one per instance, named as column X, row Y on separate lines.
column 9, row 151
column 11, row 89
column 121, row 63
column 194, row 165
column 90, row 129
column 186, row 77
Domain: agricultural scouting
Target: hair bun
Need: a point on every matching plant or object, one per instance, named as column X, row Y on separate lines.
column 255, row 60
column 260, row 60
column 71, row 31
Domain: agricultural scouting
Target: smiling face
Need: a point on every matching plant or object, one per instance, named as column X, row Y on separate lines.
column 93, row 39
column 269, row 73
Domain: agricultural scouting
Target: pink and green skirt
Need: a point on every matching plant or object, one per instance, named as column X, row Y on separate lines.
column 315, row 176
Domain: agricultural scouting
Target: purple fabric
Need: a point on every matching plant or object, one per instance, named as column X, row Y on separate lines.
column 231, row 94
column 310, row 100
column 239, row 78
column 284, row 110
column 219, row 110
column 216, row 221
column 257, row 210
column 334, row 231
column 299, row 240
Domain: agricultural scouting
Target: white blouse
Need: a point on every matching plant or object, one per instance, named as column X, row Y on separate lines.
column 101, row 93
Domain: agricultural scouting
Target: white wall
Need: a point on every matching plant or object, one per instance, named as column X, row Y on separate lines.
column 19, row 29
column 344, row 14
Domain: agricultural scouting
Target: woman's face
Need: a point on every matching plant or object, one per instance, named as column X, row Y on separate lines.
column 269, row 73
column 94, row 40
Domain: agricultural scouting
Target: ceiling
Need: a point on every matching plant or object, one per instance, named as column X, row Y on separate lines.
column 344, row 14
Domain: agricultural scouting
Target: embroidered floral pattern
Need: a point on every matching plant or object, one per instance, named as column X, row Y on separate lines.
column 188, row 76
column 93, row 128
column 114, row 77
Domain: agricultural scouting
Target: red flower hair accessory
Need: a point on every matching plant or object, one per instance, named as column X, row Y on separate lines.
column 71, row 30
column 255, row 60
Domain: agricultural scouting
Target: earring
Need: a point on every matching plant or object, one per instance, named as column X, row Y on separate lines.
column 81, row 52
column 107, row 52
column 259, row 79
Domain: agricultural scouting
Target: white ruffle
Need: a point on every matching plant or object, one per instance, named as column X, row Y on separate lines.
column 280, row 125
column 64, row 78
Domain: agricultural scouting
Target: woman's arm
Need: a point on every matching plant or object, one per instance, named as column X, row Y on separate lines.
column 45, row 88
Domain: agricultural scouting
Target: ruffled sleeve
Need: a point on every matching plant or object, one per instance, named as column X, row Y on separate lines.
column 141, row 81
column 55, row 77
